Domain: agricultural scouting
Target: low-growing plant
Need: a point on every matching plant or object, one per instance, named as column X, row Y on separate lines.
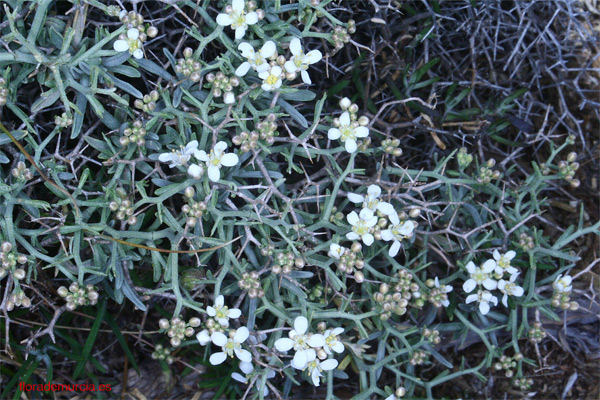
column 248, row 224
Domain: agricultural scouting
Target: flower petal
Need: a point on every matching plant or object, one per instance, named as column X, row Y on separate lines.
column 137, row 54
column 300, row 325
column 496, row 255
column 361, row 131
column 350, row 145
column 238, row 5
column 394, row 248
column 237, row 377
column 394, row 219
column 284, row 344
column 133, row 34
column 220, row 301
column 195, row 171
column 201, row 155
column 211, row 311
column 246, row 367
column 368, row 239
column 243, row 69
column 338, row 347
column 328, row 365
column 355, row 198
column 224, row 20
column 240, row 31
column 471, row 298
column 484, row 307
column 218, row 358
column 366, row 215
column 121, row 45
column 268, row 49
column 251, row 18
column 490, row 284
column 488, row 266
column 334, row 134
column 234, row 313
column 305, row 77
column 290, row 66
column 165, row 157
column 243, row 355
column 387, row 235
column 300, row 359
column 518, row 291
column 471, row 267
column 312, row 57
column 218, row 338
column 317, row 340
column 229, row 159
column 247, row 50
column 352, row 236
column 345, row 119
column 214, row 174
column 203, row 337
column 385, row 208
column 262, row 68
column 469, row 285
column 296, row 47
column 407, row 228
column 352, row 218
column 510, row 254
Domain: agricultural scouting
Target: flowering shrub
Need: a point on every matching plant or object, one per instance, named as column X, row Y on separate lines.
column 244, row 220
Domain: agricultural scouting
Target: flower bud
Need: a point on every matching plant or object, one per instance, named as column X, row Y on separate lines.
column 19, row 274
column 359, row 277
column 163, row 323
column 6, row 247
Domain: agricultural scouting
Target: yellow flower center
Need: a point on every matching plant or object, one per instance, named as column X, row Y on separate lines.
column 238, row 19
column 347, row 133
column 272, row 79
column 360, row 228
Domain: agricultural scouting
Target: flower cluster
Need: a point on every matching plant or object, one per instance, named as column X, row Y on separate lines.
column 147, row 103
column 508, row 364
column 486, row 173
column 398, row 299
column 222, row 85
column 239, row 15
column 285, row 262
column 567, row 169
column 216, row 159
column 392, row 147
column 134, row 133
column 177, row 329
column 490, row 276
column 188, row 65
column 78, row 296
column 9, row 260
column 21, row 172
column 349, row 261
column 63, row 120
column 220, row 315
column 122, row 205
column 250, row 283
column 163, row 354
column 438, row 294
column 193, row 209
column 137, row 34
column 562, row 293
column 19, row 299
column 348, row 127
column 311, row 349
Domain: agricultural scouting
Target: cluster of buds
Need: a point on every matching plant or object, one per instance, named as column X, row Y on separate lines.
column 432, row 335
column 305, row 14
column 523, row 383
column 19, row 299
column 438, row 294
column 526, row 242
column 21, row 172
column 284, row 263
column 464, row 159
column 392, row 147
column 336, row 217
column 222, row 85
column 3, row 91
column 567, row 169
column 193, row 209
column 213, row 326
column 148, row 103
column 562, row 294
column 9, row 260
column 341, row 35
column 267, row 249
column 507, row 364
column 266, row 130
column 177, row 329
column 349, row 261
column 319, row 292
column 63, row 120
column 133, row 20
column 188, row 65
column 536, row 334
column 77, row 296
column 397, row 302
column 486, row 174
column 246, row 140
column 134, row 133
column 163, row 354
column 123, row 207
column 419, row 357
column 250, row 283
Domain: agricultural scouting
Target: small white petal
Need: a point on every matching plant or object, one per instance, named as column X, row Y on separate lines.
column 345, row 119
column 484, row 307
column 240, row 32
column 138, row 54
column 263, row 68
column 361, row 131
column 211, row 311
column 367, row 215
column 201, row 155
column 220, row 146
column 251, row 18
column 268, row 49
column 240, row 378
column 386, row 208
column 518, row 291
column 490, row 284
column 305, row 77
column 229, row 160
column 394, row 219
column 246, row 367
column 488, row 266
column 218, row 338
column 300, row 359
column 350, row 145
column 224, row 20
column 394, row 248
column 213, row 173
column 334, row 134
column 471, row 298
column 510, row 254
column 218, row 358
column 238, row 6
column 203, row 337
column 133, row 34
column 469, row 285
column 328, row 365
column 368, row 239
column 220, row 301
column 317, row 340
column 387, row 235
column 165, row 157
column 313, row 56
column 241, row 335
column 284, row 344
column 243, row 69
column 355, row 198
column 195, row 171
column 234, row 313
column 301, row 325
column 471, row 267
column 295, row 47
column 121, row 45
column 247, row 50
column 352, row 218
column 496, row 255
column 338, row 347
column 243, row 355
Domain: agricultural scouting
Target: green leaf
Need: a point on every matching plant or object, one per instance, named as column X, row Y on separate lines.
column 89, row 343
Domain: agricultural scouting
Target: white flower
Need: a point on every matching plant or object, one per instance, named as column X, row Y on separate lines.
column 444, row 289
column 238, row 19
column 332, row 341
column 361, row 226
column 230, row 346
column 195, row 171
column 228, row 98
column 222, row 313
column 483, row 297
column 563, row 284
column 301, row 343
column 301, row 61
column 131, row 44
column 336, row 251
column 509, row 288
column 398, row 232
column 247, row 368
column 372, row 202
column 480, row 276
column 503, row 263
column 216, row 159
column 255, row 59
column 179, row 157
column 203, row 337
column 271, row 78
column 316, row 366
column 348, row 132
